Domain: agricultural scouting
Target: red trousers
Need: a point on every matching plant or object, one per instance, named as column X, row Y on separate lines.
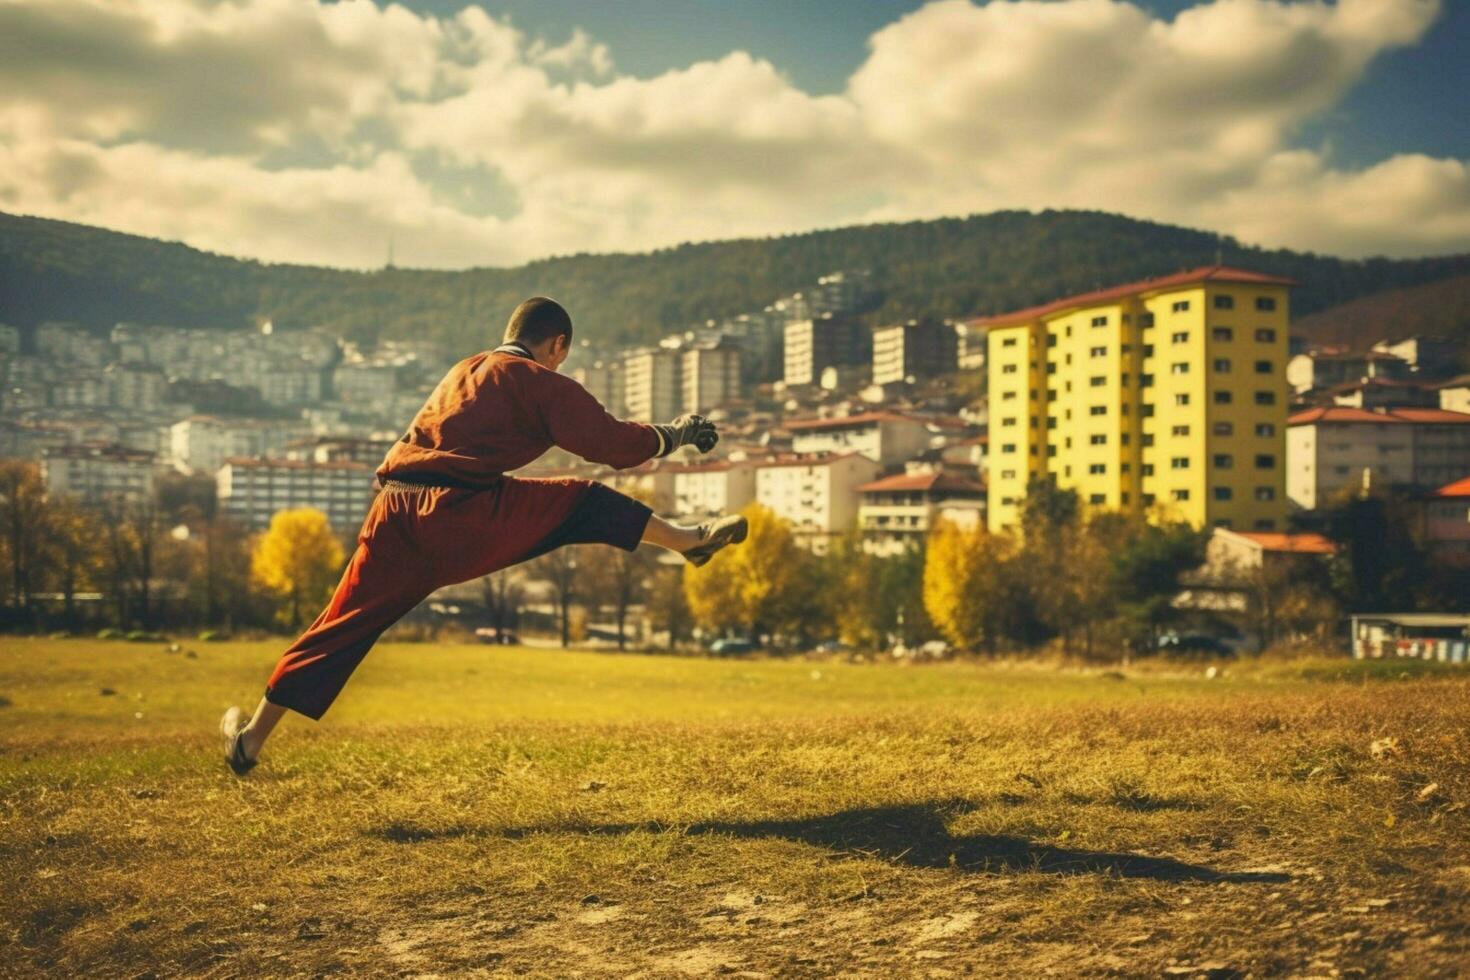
column 418, row 539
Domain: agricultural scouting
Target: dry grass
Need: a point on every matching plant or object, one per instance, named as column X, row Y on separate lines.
column 471, row 810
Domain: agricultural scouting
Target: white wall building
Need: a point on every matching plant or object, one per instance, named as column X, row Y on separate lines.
column 710, row 376
column 251, row 490
column 707, row 489
column 817, row 494
column 97, row 473
column 653, row 391
column 202, row 443
column 884, row 437
column 604, row 380
column 1330, row 449
column 136, row 386
column 897, row 512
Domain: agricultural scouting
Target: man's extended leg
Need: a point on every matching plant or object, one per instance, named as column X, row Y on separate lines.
column 696, row 542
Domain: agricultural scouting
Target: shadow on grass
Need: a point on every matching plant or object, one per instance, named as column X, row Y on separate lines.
column 915, row 835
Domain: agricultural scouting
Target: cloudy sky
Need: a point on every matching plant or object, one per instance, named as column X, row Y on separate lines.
column 498, row 132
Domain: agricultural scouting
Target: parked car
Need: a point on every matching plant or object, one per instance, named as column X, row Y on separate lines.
column 731, row 647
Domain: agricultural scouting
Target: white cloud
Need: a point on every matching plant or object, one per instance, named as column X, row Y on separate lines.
column 294, row 130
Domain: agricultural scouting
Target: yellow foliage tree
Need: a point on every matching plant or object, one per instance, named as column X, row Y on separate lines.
column 751, row 585
column 964, row 587
column 298, row 560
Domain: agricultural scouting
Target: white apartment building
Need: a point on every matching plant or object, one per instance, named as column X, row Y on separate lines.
column 99, row 472
column 604, row 380
column 338, row 449
column 80, row 389
column 888, row 438
column 897, row 512
column 708, row 489
column 72, row 344
column 817, row 494
column 136, row 386
column 1335, row 448
column 202, row 443
column 364, row 384
column 652, row 384
column 251, row 490
column 301, row 386
column 1454, row 395
column 711, row 376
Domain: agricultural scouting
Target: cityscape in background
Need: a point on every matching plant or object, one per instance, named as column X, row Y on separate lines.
column 1180, row 398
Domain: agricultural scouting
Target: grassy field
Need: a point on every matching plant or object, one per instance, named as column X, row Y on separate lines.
column 472, row 810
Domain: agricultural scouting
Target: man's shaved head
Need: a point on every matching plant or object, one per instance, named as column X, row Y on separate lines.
column 537, row 320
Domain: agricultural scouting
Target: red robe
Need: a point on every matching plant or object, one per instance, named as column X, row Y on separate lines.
column 461, row 517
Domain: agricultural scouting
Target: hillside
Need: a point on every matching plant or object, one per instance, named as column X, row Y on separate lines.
column 1439, row 308
column 949, row 267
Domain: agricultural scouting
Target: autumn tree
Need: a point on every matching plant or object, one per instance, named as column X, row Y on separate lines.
column 22, row 514
column 73, row 552
column 969, row 591
column 297, row 560
column 753, row 587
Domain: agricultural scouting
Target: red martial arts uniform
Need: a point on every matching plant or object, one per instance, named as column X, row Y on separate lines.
column 448, row 513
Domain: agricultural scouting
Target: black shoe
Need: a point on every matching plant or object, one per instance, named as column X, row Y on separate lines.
column 230, row 729
column 714, row 535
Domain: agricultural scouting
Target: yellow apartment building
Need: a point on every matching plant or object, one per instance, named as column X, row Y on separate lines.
column 1166, row 397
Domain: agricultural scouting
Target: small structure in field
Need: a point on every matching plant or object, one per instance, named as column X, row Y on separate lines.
column 1422, row 636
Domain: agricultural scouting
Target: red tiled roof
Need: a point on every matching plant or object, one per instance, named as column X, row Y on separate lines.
column 1204, row 273
column 1460, row 488
column 862, row 418
column 1302, row 544
column 1345, row 413
column 937, row 480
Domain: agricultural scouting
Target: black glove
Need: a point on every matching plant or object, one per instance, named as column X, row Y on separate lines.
column 688, row 430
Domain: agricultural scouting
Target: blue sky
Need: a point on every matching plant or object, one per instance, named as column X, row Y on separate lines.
column 1411, row 101
column 315, row 130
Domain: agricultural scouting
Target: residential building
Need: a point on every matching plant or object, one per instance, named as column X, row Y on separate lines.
column 294, row 386
column 363, row 384
column 1165, row 396
column 816, row 493
column 710, row 375
column 135, row 386
column 971, row 346
column 1430, row 356
column 652, row 388
column 1331, row 449
column 839, row 292
column 897, row 512
column 888, row 438
column 1319, row 369
column 1454, row 394
column 827, row 340
column 913, row 351
column 80, row 388
column 604, row 380
column 1384, row 392
column 97, row 472
column 202, row 443
column 703, row 490
column 72, row 345
column 1447, row 522
column 251, row 490
column 337, row 449
column 1231, row 553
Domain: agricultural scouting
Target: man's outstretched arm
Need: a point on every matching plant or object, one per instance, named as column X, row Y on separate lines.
column 578, row 423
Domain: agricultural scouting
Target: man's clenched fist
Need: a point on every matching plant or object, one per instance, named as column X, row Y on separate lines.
column 688, row 430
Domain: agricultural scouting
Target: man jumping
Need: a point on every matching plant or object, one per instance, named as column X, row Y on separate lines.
column 447, row 512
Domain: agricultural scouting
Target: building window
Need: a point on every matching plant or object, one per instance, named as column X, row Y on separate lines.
column 1011, row 420
column 1181, row 495
column 1265, row 493
column 1145, row 319
column 1181, row 306
column 1147, row 411
column 1098, row 410
column 1179, row 367
column 1145, row 381
column 1097, row 381
column 1099, row 321
column 1125, row 467
column 1223, row 398
column 1008, row 369
column 1148, row 499
column 1265, row 303
column 1009, row 447
column 1182, row 337
column 1051, row 422
column 1264, row 367
column 1006, row 396
column 1008, row 342
column 1097, row 498
column 1265, row 524
column 1224, row 302
column 1222, row 334
column 1146, row 440
column 1097, row 468
column 1224, row 461
column 1179, row 430
column 1007, row 474
column 1265, row 461
column 1123, row 379
column 1124, row 439
column 1181, row 399
column 1222, row 493
column 1222, row 365
column 1098, row 439
column 1147, row 469
column 1265, row 429
column 1266, row 335
column 1265, row 398
column 1179, row 463
column 1223, row 429
column 1051, row 367
column 1099, row 352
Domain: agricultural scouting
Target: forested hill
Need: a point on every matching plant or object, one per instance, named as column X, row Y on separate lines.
column 52, row 270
